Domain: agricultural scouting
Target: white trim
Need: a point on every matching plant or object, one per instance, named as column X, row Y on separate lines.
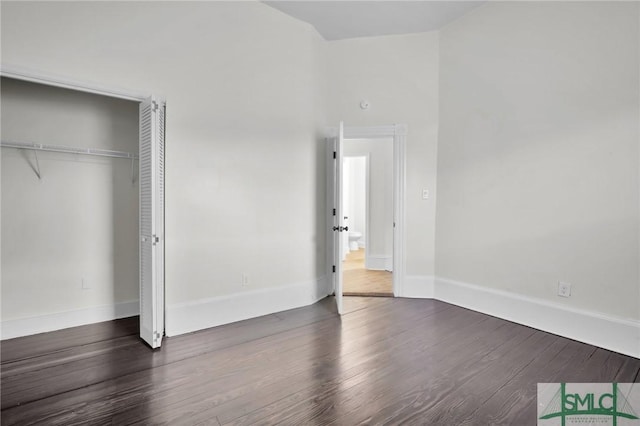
column 378, row 262
column 24, row 74
column 59, row 320
column 205, row 313
column 399, row 218
column 416, row 286
column 370, row 131
column 605, row 331
column 388, row 263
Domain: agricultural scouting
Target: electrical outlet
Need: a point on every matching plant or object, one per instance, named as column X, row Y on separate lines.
column 425, row 194
column 245, row 279
column 564, row 289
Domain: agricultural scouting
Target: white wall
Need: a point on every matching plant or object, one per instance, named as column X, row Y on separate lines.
column 355, row 195
column 81, row 220
column 538, row 164
column 398, row 75
column 245, row 119
column 379, row 237
column 538, row 152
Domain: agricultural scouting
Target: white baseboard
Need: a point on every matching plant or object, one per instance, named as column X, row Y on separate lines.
column 378, row 263
column 200, row 314
column 57, row 321
column 605, row 331
column 417, row 286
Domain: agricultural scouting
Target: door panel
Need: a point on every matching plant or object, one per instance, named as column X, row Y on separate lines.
column 338, row 240
column 152, row 221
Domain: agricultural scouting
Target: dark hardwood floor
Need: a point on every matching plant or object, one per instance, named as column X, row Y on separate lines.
column 386, row 361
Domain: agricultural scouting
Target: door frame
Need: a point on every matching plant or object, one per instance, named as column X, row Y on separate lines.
column 398, row 132
column 49, row 79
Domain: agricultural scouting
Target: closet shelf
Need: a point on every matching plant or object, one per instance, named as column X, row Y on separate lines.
column 69, row 149
column 35, row 147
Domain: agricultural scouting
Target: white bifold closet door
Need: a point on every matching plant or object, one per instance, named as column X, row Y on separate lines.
column 151, row 154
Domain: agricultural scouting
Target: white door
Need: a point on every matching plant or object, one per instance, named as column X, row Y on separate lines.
column 338, row 227
column 152, row 221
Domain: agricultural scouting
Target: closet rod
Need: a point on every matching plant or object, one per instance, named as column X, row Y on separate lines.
column 69, row 150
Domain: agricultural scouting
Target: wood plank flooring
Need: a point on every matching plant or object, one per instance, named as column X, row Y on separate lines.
column 385, row 361
column 358, row 281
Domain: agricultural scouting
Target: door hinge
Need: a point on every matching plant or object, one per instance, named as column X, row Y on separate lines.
column 334, row 269
column 334, row 212
column 334, row 154
column 154, row 106
column 155, row 239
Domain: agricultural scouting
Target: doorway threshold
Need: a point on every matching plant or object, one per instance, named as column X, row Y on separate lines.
column 368, row 294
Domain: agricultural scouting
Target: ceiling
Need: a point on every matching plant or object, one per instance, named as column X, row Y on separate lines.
column 337, row 20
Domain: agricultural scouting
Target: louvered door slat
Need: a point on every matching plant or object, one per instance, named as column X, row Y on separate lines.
column 152, row 222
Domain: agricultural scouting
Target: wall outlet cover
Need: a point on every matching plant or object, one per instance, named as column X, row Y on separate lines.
column 564, row 289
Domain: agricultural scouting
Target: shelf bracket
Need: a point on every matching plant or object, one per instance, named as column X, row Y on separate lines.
column 37, row 168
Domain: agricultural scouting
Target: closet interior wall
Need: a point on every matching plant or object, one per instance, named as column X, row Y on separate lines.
column 69, row 239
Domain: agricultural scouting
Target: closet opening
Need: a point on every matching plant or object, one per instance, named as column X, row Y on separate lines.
column 72, row 198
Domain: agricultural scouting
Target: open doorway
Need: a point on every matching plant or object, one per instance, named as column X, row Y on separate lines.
column 367, row 199
column 337, row 221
